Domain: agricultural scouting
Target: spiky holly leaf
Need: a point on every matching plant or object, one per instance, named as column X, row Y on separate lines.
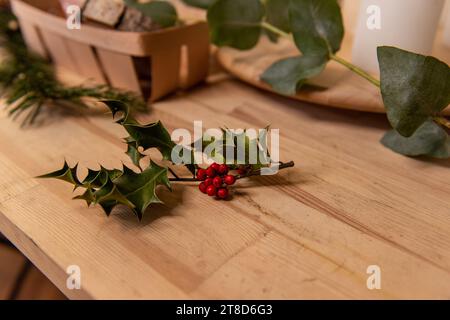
column 133, row 152
column 140, row 188
column 153, row 135
column 67, row 174
column 109, row 188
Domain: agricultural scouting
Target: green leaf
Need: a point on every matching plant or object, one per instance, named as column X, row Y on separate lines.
column 414, row 88
column 162, row 13
column 429, row 140
column 235, row 23
column 108, row 196
column 277, row 14
column 140, row 188
column 153, row 135
column 288, row 75
column 133, row 152
column 203, row 4
column 317, row 26
column 67, row 174
column 87, row 196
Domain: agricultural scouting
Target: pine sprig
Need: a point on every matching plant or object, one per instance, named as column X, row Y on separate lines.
column 28, row 81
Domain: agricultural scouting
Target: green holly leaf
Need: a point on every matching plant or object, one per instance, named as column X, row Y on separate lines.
column 161, row 13
column 153, row 135
column 87, row 196
column 317, row 26
column 108, row 196
column 133, row 152
column 202, row 4
column 277, row 14
column 140, row 188
column 428, row 140
column 67, row 174
column 235, row 23
column 288, row 75
column 414, row 88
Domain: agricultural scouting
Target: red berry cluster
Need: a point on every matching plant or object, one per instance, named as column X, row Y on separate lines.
column 215, row 180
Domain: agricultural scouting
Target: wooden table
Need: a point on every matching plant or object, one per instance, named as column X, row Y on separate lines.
column 310, row 232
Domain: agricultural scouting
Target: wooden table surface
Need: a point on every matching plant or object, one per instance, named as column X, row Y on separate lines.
column 310, row 232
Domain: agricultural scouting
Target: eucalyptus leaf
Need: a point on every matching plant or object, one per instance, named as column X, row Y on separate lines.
column 277, row 14
column 414, row 88
column 162, row 13
column 203, row 4
column 288, row 75
column 429, row 140
column 317, row 26
column 235, row 23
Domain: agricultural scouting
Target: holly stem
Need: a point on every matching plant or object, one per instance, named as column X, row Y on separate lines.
column 356, row 70
column 282, row 166
column 442, row 121
column 275, row 30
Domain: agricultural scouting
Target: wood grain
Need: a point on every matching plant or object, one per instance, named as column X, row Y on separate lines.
column 310, row 232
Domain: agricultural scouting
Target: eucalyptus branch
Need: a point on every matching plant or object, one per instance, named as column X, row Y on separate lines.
column 272, row 28
column 356, row 70
column 334, row 57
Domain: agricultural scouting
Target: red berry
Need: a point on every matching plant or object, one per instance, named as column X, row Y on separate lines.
column 202, row 186
column 215, row 166
column 201, row 174
column 217, row 182
column 222, row 193
column 223, row 169
column 211, row 191
column 210, row 172
column 208, row 182
column 229, row 180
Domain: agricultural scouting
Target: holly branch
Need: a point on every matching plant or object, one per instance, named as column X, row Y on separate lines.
column 137, row 189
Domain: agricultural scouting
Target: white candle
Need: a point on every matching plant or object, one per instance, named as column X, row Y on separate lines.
column 407, row 24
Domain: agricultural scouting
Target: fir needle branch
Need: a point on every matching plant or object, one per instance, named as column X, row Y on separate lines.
column 30, row 82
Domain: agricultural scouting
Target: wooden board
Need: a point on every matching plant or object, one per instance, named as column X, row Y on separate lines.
column 340, row 87
column 310, row 232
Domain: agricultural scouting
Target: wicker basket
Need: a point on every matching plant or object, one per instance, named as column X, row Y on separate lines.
column 153, row 64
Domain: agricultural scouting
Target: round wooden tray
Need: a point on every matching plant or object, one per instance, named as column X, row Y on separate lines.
column 335, row 87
